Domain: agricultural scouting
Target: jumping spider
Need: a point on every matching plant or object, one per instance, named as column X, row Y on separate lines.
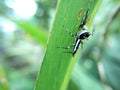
column 81, row 35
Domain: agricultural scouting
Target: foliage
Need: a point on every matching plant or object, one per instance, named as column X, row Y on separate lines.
column 3, row 81
column 97, row 66
column 57, row 66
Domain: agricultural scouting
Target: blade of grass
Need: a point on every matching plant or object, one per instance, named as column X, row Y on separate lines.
column 37, row 33
column 85, row 81
column 57, row 65
column 3, row 82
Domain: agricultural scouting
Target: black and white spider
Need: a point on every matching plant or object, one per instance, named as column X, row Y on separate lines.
column 81, row 35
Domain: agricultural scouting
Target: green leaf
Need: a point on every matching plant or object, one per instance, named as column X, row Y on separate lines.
column 85, row 81
column 57, row 65
column 37, row 33
column 3, row 81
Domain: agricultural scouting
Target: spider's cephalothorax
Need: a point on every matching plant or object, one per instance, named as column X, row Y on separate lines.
column 84, row 34
column 80, row 35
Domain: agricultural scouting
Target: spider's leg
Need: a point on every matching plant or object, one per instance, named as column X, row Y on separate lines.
column 68, row 52
column 93, row 30
column 81, row 44
column 84, row 19
column 70, row 33
column 66, row 47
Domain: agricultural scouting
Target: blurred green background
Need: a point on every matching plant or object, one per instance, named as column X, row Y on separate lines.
column 21, row 54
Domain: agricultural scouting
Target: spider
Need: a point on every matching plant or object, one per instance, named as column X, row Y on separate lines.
column 81, row 35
